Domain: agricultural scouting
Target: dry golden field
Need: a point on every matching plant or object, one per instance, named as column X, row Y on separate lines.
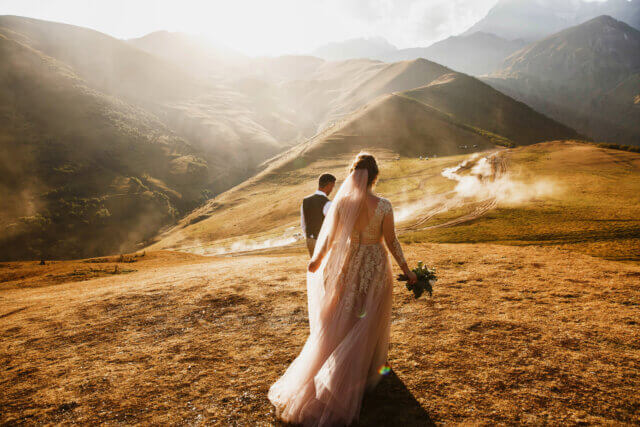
column 536, row 318
column 563, row 194
column 511, row 335
column 197, row 158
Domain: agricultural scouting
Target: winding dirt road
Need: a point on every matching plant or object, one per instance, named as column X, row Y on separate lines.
column 452, row 200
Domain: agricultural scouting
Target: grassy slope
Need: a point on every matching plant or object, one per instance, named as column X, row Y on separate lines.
column 489, row 109
column 391, row 126
column 85, row 172
column 593, row 209
column 396, row 77
column 215, row 119
column 596, row 209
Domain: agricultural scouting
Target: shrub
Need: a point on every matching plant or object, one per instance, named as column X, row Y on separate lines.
column 632, row 148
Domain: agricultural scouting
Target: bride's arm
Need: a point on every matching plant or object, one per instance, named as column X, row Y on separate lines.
column 320, row 253
column 390, row 238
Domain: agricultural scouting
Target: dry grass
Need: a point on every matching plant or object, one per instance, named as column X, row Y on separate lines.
column 511, row 335
column 267, row 205
column 594, row 207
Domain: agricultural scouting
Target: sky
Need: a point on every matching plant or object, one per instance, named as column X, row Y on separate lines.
column 266, row 27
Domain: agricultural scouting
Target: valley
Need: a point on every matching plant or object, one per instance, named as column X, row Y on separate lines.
column 527, row 197
column 152, row 265
column 153, row 128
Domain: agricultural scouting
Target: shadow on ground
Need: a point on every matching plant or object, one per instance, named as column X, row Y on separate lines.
column 392, row 404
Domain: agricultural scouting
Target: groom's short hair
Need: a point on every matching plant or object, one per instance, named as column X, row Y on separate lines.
column 325, row 179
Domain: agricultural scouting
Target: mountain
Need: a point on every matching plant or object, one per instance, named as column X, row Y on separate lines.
column 450, row 114
column 105, row 143
column 193, row 54
column 82, row 173
column 507, row 27
column 292, row 96
column 585, row 76
column 532, row 20
column 282, row 69
column 372, row 48
column 217, row 120
column 478, row 53
column 398, row 76
column 480, row 106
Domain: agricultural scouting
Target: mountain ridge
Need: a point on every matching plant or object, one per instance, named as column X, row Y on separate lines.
column 477, row 53
column 65, row 192
column 403, row 124
column 583, row 76
column 532, row 20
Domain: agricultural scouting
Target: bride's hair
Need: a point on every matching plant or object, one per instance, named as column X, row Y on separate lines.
column 368, row 162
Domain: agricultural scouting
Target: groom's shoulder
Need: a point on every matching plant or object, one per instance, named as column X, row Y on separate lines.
column 316, row 195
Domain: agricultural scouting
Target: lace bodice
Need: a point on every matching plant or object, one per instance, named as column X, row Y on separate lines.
column 367, row 263
column 374, row 231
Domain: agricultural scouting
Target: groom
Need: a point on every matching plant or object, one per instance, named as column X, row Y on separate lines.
column 314, row 208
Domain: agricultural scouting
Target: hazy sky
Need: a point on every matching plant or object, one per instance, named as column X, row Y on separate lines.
column 266, row 27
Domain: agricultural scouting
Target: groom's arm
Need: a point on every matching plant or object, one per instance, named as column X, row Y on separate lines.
column 325, row 208
column 302, row 224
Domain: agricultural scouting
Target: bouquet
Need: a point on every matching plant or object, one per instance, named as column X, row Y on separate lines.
column 426, row 279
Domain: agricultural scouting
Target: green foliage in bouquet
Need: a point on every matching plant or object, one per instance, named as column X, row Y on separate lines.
column 426, row 277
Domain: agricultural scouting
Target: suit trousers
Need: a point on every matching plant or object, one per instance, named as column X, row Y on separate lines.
column 311, row 245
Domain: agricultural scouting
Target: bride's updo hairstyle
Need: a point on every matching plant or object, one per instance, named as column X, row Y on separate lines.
column 368, row 162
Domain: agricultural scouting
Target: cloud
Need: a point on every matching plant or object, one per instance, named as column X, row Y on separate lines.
column 259, row 27
column 409, row 23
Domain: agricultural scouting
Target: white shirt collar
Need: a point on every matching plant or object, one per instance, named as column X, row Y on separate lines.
column 321, row 193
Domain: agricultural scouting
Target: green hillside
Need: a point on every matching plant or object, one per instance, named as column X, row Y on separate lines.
column 83, row 173
column 394, row 126
column 216, row 119
column 590, row 203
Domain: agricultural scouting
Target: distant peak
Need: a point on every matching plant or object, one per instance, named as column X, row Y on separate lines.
column 417, row 62
column 422, row 61
column 484, row 34
column 605, row 19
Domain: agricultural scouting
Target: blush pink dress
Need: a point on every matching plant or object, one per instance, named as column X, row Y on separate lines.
column 346, row 352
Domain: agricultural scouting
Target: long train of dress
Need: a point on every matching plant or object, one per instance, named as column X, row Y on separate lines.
column 347, row 355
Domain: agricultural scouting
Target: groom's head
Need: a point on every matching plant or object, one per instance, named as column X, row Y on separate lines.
column 326, row 182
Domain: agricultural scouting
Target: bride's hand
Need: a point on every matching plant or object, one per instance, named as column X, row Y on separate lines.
column 314, row 264
column 412, row 277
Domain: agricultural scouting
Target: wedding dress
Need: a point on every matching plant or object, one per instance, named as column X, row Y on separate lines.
column 349, row 302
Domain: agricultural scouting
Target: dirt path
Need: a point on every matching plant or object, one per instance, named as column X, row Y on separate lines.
column 451, row 200
column 511, row 335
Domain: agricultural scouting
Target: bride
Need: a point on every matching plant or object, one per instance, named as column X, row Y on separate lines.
column 350, row 290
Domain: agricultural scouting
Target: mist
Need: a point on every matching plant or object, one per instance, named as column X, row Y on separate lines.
column 479, row 179
column 288, row 237
column 109, row 138
column 258, row 28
